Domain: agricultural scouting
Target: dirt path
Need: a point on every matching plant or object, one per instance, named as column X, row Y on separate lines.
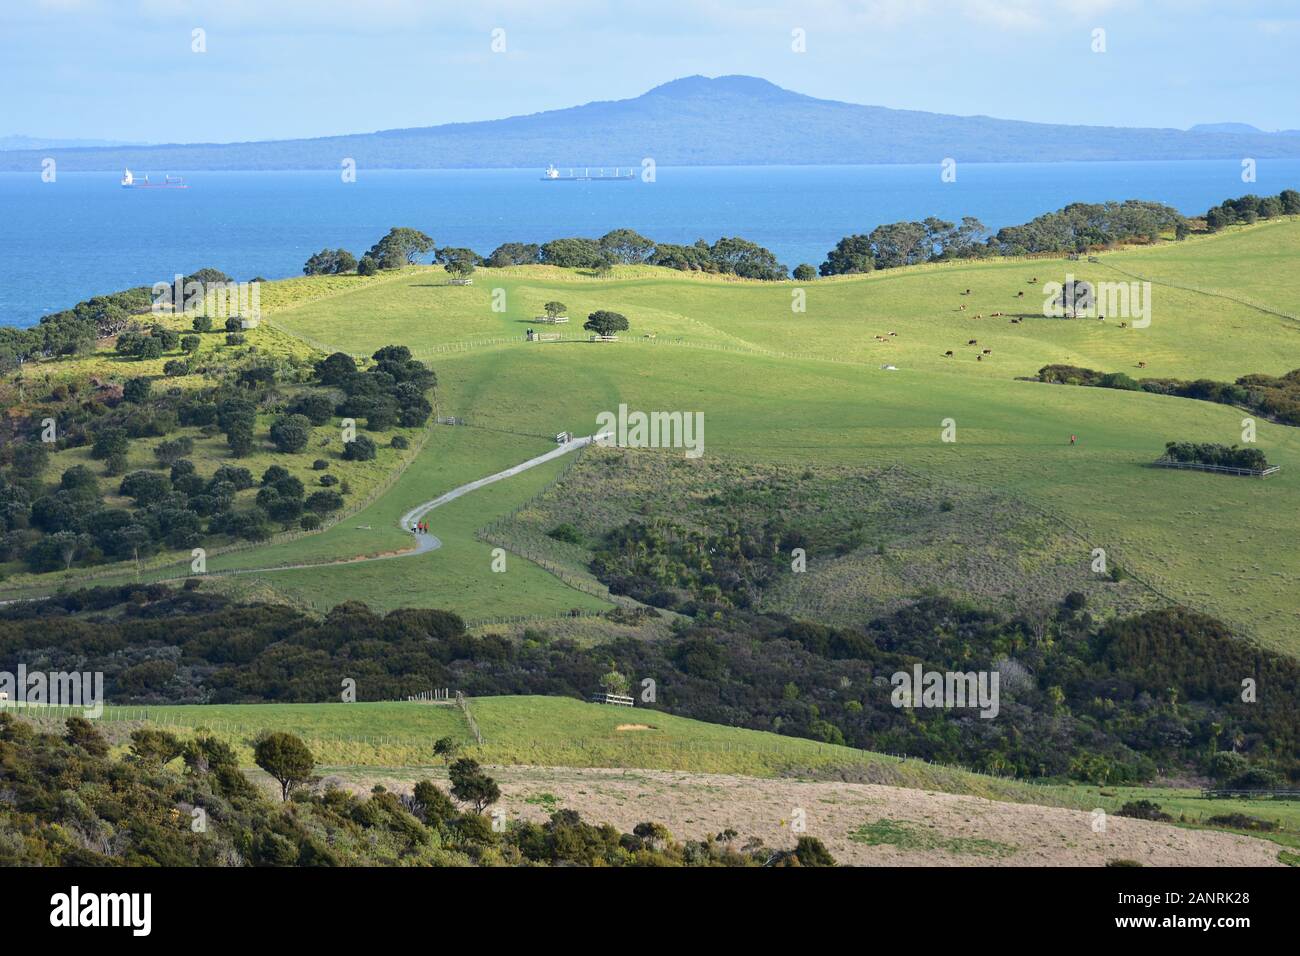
column 861, row 824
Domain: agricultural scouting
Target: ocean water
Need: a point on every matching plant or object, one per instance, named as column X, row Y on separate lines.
column 82, row 235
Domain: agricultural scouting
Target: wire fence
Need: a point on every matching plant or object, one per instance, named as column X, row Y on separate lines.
column 784, row 751
column 463, row 703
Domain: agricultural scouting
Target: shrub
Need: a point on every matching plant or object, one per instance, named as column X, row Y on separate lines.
column 1242, row 821
column 810, row 851
column 1227, row 764
column 360, row 448
column 136, row 390
column 1143, row 810
column 290, row 433
column 565, row 532
column 1257, row 778
column 317, row 407
column 323, row 502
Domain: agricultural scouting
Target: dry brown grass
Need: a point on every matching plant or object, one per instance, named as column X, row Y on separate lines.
column 903, row 827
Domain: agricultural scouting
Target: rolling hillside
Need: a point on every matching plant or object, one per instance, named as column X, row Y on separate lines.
column 808, row 389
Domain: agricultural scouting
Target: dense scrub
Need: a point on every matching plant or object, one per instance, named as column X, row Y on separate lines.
column 186, row 803
column 1109, row 703
column 1277, row 397
column 1077, row 228
column 1209, row 453
column 76, row 518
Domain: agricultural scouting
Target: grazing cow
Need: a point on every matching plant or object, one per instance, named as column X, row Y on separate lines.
column 973, row 342
column 1142, row 364
column 961, row 308
column 1020, row 294
column 979, row 358
column 948, row 354
column 893, row 333
column 1123, row 325
column 988, row 351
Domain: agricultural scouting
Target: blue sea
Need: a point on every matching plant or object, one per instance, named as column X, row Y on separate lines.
column 83, row 235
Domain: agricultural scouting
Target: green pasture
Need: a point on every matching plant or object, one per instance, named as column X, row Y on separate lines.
column 776, row 385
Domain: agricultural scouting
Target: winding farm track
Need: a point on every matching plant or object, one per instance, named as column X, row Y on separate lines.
column 425, row 543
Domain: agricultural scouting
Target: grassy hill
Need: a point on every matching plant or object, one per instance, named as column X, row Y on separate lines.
column 777, row 386
column 807, row 389
column 544, row 731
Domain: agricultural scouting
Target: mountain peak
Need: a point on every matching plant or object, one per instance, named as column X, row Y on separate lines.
column 698, row 85
column 1230, row 128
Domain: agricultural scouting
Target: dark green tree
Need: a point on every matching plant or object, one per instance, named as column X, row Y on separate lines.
column 603, row 322
column 286, row 758
column 469, row 784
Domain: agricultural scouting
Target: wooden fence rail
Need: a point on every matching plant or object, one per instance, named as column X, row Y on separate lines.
column 1222, row 469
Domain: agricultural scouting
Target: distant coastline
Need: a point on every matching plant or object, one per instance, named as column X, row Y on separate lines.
column 83, row 235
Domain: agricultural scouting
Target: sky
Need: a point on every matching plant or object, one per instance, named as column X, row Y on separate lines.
column 272, row 69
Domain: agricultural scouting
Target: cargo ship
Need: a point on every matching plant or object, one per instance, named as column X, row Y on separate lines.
column 554, row 175
column 169, row 182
